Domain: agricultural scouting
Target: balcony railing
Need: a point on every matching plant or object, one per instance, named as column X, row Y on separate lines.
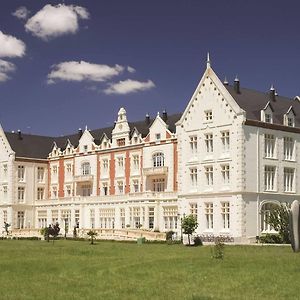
column 155, row 171
column 83, row 178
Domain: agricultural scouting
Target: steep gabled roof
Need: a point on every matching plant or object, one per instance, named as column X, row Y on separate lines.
column 36, row 146
column 253, row 102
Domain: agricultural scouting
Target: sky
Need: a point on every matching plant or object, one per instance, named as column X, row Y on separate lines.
column 68, row 64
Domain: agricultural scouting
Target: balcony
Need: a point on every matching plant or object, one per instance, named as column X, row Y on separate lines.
column 84, row 178
column 155, row 171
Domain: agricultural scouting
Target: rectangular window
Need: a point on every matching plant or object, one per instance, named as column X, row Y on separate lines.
column 4, row 216
column 40, row 193
column 85, row 148
column 120, row 187
column 120, row 163
column 136, row 162
column 194, row 210
column 270, row 172
column 5, row 171
column 5, row 192
column 208, row 115
column 194, row 176
column 40, row 174
column 209, row 174
column 21, row 194
column 158, row 184
column 151, row 217
column 136, row 188
column 225, row 141
column 105, row 188
column 20, row 219
column 209, row 215
column 225, row 174
column 68, row 190
column 288, row 179
column 122, row 217
column 193, row 144
column 290, row 122
column 92, row 218
column 225, row 211
column 105, row 165
column 158, row 136
column 170, row 215
column 69, row 168
column 42, row 218
column 77, row 217
column 288, row 148
column 121, row 142
column 54, row 192
column 21, row 173
column 86, row 190
column 269, row 146
column 209, row 142
column 54, row 215
column 268, row 118
column 54, row 170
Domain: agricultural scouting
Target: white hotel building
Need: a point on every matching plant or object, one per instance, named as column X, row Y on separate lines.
column 226, row 159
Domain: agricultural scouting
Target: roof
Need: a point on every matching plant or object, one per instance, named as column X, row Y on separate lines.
column 253, row 102
column 39, row 147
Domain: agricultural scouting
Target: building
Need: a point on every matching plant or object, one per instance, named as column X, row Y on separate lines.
column 227, row 159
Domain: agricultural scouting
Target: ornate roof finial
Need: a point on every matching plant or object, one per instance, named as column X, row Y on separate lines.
column 208, row 65
column 225, row 81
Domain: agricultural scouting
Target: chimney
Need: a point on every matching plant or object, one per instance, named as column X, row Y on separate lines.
column 147, row 119
column 79, row 132
column 19, row 134
column 165, row 115
column 236, row 85
column 272, row 93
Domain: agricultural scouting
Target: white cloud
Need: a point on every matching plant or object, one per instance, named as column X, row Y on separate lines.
column 11, row 46
column 53, row 21
column 83, row 71
column 6, row 67
column 128, row 86
column 21, row 13
column 130, row 69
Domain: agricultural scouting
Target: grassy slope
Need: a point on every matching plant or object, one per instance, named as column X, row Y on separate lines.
column 108, row 270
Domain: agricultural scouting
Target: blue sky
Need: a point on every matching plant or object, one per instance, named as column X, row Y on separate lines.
column 142, row 55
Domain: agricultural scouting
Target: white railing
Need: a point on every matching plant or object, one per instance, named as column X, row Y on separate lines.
column 155, row 171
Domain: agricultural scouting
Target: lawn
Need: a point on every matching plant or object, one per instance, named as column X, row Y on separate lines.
column 114, row 270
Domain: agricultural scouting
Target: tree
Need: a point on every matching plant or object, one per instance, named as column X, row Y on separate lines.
column 51, row 230
column 92, row 234
column 189, row 225
column 279, row 220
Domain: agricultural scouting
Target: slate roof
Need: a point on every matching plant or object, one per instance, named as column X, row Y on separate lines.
column 253, row 102
column 36, row 146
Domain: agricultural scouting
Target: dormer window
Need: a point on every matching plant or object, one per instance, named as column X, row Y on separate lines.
column 289, row 118
column 158, row 136
column 290, row 122
column 208, row 115
column 268, row 118
column 85, row 148
column 121, row 142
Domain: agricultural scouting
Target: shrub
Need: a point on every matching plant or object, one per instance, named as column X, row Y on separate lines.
column 169, row 235
column 271, row 239
column 197, row 241
column 218, row 250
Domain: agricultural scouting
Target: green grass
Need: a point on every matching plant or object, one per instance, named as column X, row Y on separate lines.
column 112, row 270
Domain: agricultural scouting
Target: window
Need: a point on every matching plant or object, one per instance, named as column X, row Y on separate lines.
column 290, row 122
column 85, row 148
column 107, row 218
column 5, row 171
column 209, row 215
column 86, row 190
column 105, row 165
column 170, row 215
column 69, row 168
column 158, row 160
column 136, row 188
column 21, row 194
column 120, row 187
column 54, row 216
column 105, row 188
column 268, row 118
column 120, row 163
column 4, row 216
column 225, row 174
column 270, row 178
column 193, row 174
column 21, row 172
column 193, row 144
column 92, row 218
column 85, row 168
column 151, row 217
column 209, row 174
column 158, row 136
column 77, row 217
column 208, row 115
column 288, row 148
column 266, row 209
column 135, row 140
column 54, row 192
column 40, row 174
column 194, row 210
column 225, row 141
column 122, row 217
column 288, row 180
column 136, row 162
column 158, row 184
column 54, row 170
column 269, row 146
column 68, row 190
column 5, row 191
column 40, row 193
column 42, row 218
column 209, row 142
column 20, row 219
column 225, row 211
column 121, row 142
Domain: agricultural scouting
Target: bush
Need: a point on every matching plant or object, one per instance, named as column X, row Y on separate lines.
column 218, row 250
column 271, row 239
column 197, row 241
column 169, row 235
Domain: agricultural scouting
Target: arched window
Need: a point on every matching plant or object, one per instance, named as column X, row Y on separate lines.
column 265, row 213
column 158, row 160
column 85, row 168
